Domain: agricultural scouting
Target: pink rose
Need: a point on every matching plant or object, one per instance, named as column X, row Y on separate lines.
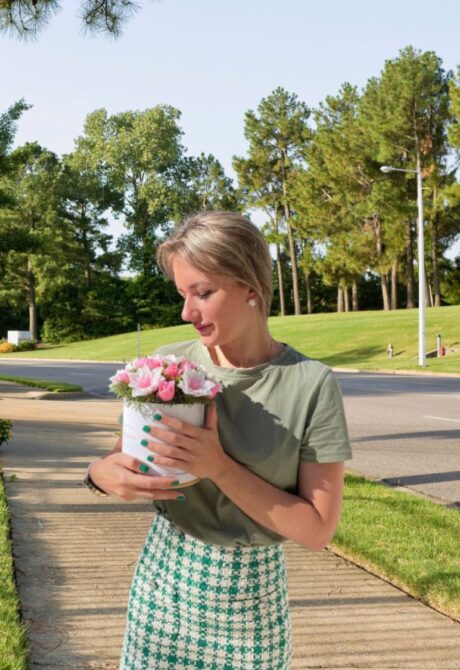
column 151, row 362
column 154, row 362
column 166, row 391
column 172, row 370
column 122, row 376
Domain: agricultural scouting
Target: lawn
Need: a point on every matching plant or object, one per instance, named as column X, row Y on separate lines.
column 411, row 541
column 54, row 387
column 13, row 642
column 354, row 339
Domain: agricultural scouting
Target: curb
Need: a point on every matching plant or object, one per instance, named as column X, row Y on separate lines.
column 63, row 360
column 62, row 395
column 403, row 373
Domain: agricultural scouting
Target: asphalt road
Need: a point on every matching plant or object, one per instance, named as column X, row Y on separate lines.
column 404, row 429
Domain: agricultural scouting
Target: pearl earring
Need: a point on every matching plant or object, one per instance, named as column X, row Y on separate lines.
column 252, row 302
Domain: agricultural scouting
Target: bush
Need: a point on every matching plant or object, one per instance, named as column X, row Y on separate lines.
column 8, row 348
column 26, row 345
column 5, row 430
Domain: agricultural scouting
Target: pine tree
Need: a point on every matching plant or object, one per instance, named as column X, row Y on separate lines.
column 31, row 215
column 406, row 111
column 259, row 189
column 277, row 136
column 26, row 18
column 206, row 186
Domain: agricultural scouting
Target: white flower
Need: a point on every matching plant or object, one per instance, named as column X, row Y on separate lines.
column 194, row 383
column 145, row 381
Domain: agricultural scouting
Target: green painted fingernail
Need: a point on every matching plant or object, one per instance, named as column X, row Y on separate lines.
column 150, row 459
column 176, row 483
column 144, row 468
column 180, row 498
column 145, row 443
column 157, row 416
column 146, row 429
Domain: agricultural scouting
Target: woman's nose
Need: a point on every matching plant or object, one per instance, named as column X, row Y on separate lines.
column 189, row 310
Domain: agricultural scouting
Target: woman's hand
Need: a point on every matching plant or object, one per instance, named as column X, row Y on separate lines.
column 120, row 475
column 190, row 448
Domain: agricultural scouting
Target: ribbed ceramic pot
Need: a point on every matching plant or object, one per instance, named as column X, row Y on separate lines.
column 135, row 417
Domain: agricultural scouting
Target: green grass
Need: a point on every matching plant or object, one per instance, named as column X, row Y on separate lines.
column 411, row 541
column 55, row 387
column 13, row 641
column 353, row 339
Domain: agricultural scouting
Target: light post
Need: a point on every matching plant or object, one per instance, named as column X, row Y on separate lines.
column 421, row 261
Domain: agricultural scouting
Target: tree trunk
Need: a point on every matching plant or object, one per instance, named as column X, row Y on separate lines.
column 410, row 266
column 379, row 247
column 309, row 299
column 31, row 301
column 430, row 295
column 434, row 263
column 295, row 280
column 339, row 299
column 346, row 299
column 86, row 248
column 428, row 292
column 354, row 296
column 394, row 284
column 292, row 250
column 385, row 291
column 280, row 281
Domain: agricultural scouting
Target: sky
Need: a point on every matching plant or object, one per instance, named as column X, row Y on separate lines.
column 213, row 61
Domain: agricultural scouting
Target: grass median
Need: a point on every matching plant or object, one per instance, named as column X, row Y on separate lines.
column 411, row 541
column 352, row 339
column 47, row 385
column 13, row 641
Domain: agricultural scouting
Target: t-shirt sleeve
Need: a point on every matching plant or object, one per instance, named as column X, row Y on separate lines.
column 325, row 439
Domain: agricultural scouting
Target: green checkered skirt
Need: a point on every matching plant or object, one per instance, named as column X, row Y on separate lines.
column 197, row 605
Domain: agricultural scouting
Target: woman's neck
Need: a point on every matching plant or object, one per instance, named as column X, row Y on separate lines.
column 247, row 355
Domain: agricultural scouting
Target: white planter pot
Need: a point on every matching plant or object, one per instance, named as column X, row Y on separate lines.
column 135, row 417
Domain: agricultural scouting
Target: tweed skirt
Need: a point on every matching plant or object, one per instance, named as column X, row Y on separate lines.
column 196, row 605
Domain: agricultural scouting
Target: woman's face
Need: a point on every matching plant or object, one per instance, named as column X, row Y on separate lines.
column 216, row 305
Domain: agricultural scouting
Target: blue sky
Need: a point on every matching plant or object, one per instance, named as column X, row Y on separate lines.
column 213, row 61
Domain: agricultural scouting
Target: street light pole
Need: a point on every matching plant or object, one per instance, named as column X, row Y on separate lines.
column 421, row 259
column 421, row 271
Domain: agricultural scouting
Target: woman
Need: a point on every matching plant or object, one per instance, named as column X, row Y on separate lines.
column 210, row 586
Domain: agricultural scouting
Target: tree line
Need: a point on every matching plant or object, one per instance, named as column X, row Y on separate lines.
column 343, row 234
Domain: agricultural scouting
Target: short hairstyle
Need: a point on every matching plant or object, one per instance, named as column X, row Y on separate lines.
column 225, row 243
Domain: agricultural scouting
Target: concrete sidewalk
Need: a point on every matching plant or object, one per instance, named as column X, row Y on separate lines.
column 75, row 555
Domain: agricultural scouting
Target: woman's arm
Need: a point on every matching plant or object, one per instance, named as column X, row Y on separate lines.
column 308, row 518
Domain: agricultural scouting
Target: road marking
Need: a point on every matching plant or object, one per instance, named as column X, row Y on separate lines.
column 440, row 418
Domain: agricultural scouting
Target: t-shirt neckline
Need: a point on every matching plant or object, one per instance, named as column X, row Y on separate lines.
column 241, row 372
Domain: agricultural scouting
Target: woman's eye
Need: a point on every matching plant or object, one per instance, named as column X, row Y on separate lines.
column 203, row 296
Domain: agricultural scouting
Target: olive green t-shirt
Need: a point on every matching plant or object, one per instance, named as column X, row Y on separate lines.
column 270, row 417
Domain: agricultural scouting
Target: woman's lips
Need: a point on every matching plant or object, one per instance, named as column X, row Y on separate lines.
column 202, row 329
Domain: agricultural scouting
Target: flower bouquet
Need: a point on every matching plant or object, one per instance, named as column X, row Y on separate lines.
column 158, row 384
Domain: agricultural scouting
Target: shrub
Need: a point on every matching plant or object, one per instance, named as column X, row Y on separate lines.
column 6, row 348
column 5, row 430
column 26, row 345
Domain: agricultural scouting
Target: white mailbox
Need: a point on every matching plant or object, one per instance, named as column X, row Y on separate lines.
column 18, row 336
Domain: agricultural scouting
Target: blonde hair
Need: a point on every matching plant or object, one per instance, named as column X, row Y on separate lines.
column 225, row 243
